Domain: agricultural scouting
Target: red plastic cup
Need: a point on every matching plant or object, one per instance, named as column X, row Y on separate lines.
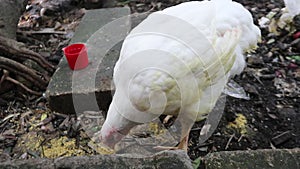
column 76, row 55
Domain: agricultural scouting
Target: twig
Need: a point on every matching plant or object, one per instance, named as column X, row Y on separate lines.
column 46, row 121
column 229, row 141
column 23, row 86
column 60, row 114
column 272, row 146
column 44, row 31
column 196, row 129
column 240, row 138
column 167, row 119
column 203, row 145
column 5, row 74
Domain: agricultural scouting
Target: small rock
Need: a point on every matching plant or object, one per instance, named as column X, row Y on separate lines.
column 57, row 26
column 273, row 116
column 271, row 41
column 264, row 22
column 251, row 89
column 271, row 6
column 296, row 44
column 296, row 21
column 257, row 61
column 292, row 66
column 296, row 35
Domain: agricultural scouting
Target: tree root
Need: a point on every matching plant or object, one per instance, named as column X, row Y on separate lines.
column 41, row 81
column 17, row 51
column 23, row 86
column 13, row 54
column 6, row 77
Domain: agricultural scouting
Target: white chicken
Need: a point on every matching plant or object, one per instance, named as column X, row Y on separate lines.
column 293, row 7
column 177, row 62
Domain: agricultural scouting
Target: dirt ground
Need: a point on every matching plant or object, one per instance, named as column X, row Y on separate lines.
column 270, row 119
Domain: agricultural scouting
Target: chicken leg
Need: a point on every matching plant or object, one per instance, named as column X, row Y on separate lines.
column 183, row 144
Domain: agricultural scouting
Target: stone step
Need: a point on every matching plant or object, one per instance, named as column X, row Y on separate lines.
column 90, row 88
column 175, row 159
column 254, row 159
column 163, row 160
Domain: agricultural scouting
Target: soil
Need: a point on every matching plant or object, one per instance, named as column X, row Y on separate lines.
column 272, row 116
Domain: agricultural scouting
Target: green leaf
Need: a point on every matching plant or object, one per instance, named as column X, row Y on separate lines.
column 196, row 163
column 296, row 57
column 44, row 116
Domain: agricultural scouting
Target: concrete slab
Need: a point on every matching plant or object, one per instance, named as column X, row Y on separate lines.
column 91, row 89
